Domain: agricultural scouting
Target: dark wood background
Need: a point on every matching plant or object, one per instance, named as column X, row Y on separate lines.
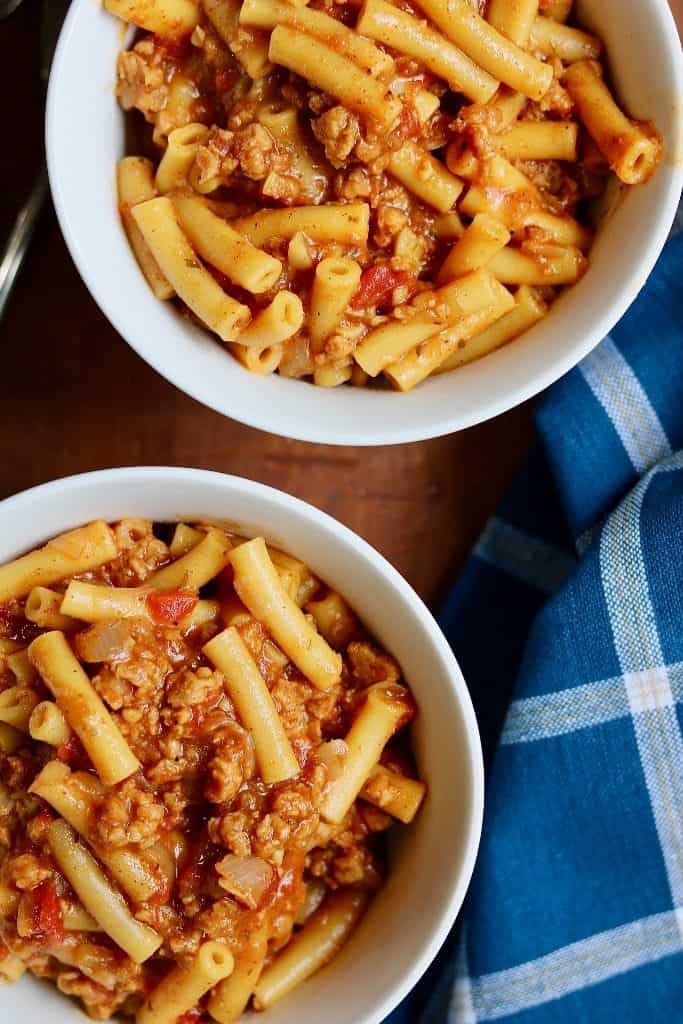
column 74, row 397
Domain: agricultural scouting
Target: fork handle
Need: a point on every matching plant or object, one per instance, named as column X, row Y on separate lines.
column 20, row 237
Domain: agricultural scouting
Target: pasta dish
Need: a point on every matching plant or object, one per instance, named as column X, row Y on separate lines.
column 376, row 192
column 200, row 748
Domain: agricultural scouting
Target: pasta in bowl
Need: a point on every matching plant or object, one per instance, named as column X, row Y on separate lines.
column 201, row 749
column 87, row 135
column 350, row 195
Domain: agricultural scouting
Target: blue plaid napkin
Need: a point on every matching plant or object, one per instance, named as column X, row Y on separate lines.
column 568, row 625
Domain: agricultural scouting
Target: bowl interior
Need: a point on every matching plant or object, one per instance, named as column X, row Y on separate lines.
column 433, row 860
column 85, row 138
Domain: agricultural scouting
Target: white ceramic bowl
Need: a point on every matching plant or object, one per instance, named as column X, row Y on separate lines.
column 85, row 139
column 432, row 860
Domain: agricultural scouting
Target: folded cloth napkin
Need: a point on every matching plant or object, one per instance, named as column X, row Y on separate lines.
column 568, row 625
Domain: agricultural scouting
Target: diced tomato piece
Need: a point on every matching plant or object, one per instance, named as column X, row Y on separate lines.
column 172, row 606
column 191, row 1017
column 49, row 918
column 377, row 283
column 73, row 753
column 41, row 821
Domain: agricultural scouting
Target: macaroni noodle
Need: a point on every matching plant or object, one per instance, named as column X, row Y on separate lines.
column 196, row 815
column 317, row 161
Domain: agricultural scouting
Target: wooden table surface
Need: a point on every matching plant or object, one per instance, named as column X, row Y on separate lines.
column 74, row 397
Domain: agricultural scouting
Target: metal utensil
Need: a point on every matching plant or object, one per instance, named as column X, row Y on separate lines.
column 8, row 7
column 16, row 247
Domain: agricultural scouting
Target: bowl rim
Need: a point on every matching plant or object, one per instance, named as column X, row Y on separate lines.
column 181, row 477
column 261, row 415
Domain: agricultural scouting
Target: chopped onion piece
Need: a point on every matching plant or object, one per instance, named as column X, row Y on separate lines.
column 246, row 878
column 105, row 641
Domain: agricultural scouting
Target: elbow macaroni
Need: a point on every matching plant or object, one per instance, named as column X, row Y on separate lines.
column 319, row 940
column 98, row 896
column 200, row 743
column 230, row 997
column 226, row 249
column 190, row 280
column 633, row 150
column 77, row 551
column 401, row 31
column 43, row 606
column 166, row 18
column 48, row 724
column 334, row 285
column 74, row 797
column 276, row 323
column 499, row 56
column 259, row 586
column 384, row 710
column 373, row 175
column 184, row 986
column 513, row 18
column 327, row 69
column 82, row 707
column 254, row 704
column 135, row 184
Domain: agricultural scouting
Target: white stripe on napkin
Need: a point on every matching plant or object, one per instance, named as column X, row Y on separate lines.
column 621, row 395
column 579, row 707
column 461, row 1009
column 571, row 968
column 527, row 558
column 646, row 676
